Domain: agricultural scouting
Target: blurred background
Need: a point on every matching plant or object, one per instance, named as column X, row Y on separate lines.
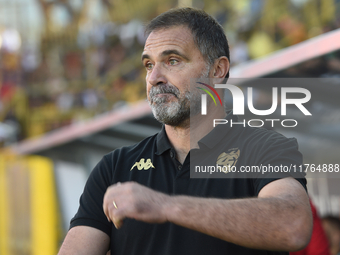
column 72, row 89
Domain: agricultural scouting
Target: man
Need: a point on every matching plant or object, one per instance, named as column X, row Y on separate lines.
column 145, row 190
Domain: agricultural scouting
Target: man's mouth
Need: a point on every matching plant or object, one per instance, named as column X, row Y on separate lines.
column 166, row 94
column 164, row 97
column 164, row 90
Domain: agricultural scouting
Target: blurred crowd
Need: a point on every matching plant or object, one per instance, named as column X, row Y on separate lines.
column 91, row 66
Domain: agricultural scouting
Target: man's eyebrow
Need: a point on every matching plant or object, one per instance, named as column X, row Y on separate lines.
column 145, row 56
column 167, row 53
column 175, row 52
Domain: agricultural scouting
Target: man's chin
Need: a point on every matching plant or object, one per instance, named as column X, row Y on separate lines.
column 176, row 120
column 163, row 105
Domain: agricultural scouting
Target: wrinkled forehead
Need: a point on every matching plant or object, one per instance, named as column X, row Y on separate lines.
column 177, row 36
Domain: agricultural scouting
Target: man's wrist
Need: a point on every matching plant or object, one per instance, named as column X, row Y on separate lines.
column 170, row 208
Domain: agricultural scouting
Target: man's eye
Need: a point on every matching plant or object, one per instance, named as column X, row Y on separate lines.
column 173, row 62
column 148, row 66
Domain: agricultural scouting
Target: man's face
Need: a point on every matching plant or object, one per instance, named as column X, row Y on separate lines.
column 171, row 59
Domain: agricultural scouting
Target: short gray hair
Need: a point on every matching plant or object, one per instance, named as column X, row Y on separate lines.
column 208, row 34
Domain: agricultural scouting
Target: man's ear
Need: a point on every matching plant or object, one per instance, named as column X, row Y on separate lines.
column 221, row 67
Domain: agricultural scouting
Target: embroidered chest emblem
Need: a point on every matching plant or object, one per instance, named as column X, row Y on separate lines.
column 143, row 165
column 228, row 158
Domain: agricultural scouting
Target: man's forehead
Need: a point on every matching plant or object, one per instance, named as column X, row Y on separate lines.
column 179, row 36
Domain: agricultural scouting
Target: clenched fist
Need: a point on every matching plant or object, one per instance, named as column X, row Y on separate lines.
column 135, row 201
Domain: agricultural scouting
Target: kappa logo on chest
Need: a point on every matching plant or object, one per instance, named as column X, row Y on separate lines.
column 143, row 165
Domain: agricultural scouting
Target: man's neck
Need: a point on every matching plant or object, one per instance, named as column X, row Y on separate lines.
column 179, row 138
column 186, row 137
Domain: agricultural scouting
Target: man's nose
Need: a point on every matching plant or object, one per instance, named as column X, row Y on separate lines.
column 157, row 76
